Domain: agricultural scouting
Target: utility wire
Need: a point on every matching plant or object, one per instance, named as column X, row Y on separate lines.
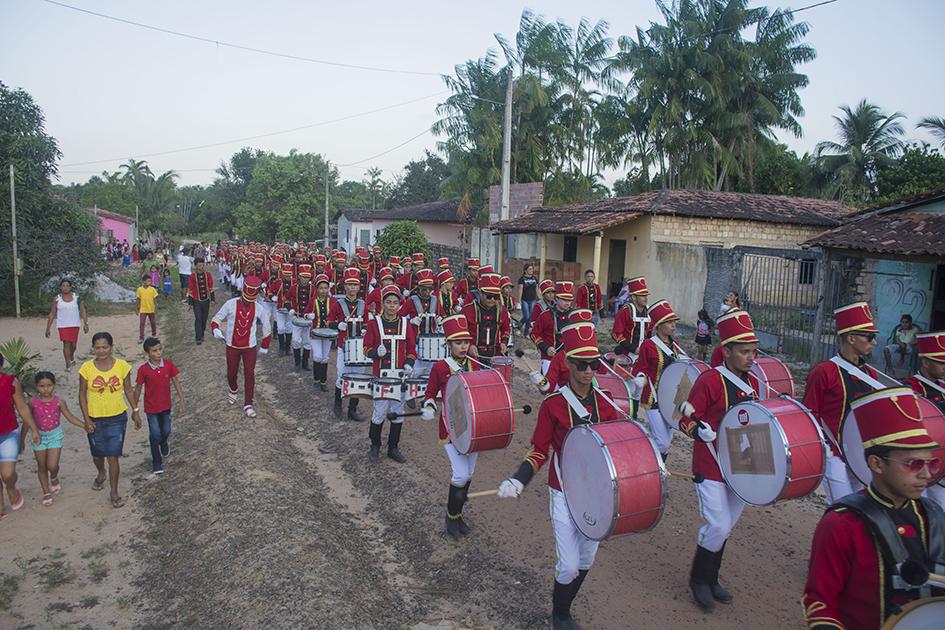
column 405, row 142
column 251, row 49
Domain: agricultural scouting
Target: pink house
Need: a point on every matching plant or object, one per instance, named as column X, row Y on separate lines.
column 112, row 225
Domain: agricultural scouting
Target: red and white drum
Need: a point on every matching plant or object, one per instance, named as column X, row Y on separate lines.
column 478, row 408
column 356, row 385
column 617, row 389
column 415, row 388
column 927, row 613
column 674, row 386
column 431, row 348
column 613, row 479
column 622, row 363
column 852, row 445
column 773, row 374
column 387, row 389
column 354, row 352
column 504, row 366
column 771, row 450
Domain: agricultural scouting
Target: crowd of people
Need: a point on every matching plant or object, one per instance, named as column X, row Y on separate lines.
column 405, row 333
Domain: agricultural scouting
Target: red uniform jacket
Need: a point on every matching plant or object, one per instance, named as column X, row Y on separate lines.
column 829, row 392
column 718, row 356
column 589, row 297
column 558, row 374
column 445, row 304
column 406, row 348
column 373, row 302
column 281, row 289
column 367, row 275
column 409, row 310
column 488, row 329
column 847, row 578
column 712, row 395
column 626, row 331
column 436, row 387
column 262, row 274
column 651, row 361
column 407, row 282
column 322, row 311
column 555, row 419
column 546, row 333
column 920, row 388
column 301, row 298
column 337, row 313
column 464, row 290
column 200, row 286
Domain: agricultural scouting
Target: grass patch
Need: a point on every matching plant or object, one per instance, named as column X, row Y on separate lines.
column 122, row 602
column 56, row 573
column 9, row 585
column 98, row 570
column 94, row 552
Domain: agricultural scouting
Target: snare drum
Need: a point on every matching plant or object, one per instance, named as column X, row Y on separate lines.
column 356, row 385
column 775, row 375
column 431, row 348
column 674, row 386
column 927, row 613
column 613, row 479
column 415, row 388
column 387, row 389
column 771, row 450
column 354, row 352
column 283, row 310
column 301, row 322
column 478, row 408
column 324, row 333
column 617, row 389
column 852, row 445
column 503, row 365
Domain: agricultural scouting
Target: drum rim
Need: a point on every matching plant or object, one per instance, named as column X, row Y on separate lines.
column 473, row 422
column 357, row 376
column 761, row 369
column 893, row 620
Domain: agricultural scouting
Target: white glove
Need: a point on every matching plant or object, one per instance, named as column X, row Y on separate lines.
column 342, row 326
column 428, row 411
column 551, row 352
column 291, row 311
column 382, row 351
column 639, row 381
column 510, row 489
column 263, row 350
column 406, row 293
column 686, row 409
column 408, row 370
column 537, row 379
column 310, row 316
column 706, row 434
column 415, row 320
column 273, row 298
column 459, row 301
column 218, row 333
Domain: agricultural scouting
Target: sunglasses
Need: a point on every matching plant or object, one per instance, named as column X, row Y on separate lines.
column 593, row 364
column 489, row 296
column 916, row 465
column 868, row 337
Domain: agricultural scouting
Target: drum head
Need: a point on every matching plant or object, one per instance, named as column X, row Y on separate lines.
column 674, row 386
column 325, row 333
column 501, row 361
column 921, row 614
column 458, row 410
column 587, row 475
column 753, row 453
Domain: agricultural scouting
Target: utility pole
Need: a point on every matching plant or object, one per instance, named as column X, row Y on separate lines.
column 327, row 173
column 506, row 164
column 16, row 260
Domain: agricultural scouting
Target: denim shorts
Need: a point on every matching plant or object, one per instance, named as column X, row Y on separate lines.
column 49, row 439
column 10, row 446
column 108, row 438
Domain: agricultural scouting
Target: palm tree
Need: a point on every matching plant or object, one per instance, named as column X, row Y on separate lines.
column 375, row 184
column 869, row 139
column 935, row 125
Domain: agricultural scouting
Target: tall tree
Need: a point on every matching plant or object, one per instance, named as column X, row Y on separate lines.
column 420, row 182
column 936, row 126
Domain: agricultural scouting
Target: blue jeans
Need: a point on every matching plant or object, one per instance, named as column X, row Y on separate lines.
column 159, row 429
column 526, row 315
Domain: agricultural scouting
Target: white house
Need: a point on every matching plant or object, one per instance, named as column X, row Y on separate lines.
column 438, row 219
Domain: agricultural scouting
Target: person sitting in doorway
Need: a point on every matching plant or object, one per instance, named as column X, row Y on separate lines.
column 902, row 341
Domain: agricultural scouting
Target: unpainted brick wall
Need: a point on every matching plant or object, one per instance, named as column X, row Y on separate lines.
column 522, row 197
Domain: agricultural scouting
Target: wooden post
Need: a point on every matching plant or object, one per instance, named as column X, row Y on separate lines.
column 544, row 255
column 598, row 241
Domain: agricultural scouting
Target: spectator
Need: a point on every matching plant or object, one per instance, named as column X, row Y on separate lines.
column 146, row 296
column 156, row 375
column 902, row 341
column 704, row 333
column 729, row 302
column 67, row 311
column 527, row 295
column 11, row 403
column 104, row 393
column 185, row 264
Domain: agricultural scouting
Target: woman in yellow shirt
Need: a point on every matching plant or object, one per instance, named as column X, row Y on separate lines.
column 104, row 388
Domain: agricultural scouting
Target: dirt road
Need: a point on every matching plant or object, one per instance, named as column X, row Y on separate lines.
column 253, row 525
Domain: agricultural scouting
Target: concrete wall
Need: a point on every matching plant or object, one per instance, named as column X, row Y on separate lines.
column 901, row 288
column 522, row 197
column 443, row 233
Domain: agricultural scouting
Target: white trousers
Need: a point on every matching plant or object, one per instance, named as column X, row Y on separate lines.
column 342, row 369
column 838, row 481
column 299, row 337
column 283, row 321
column 575, row 551
column 321, row 348
column 936, row 493
column 660, row 430
column 720, row 509
column 463, row 466
column 384, row 407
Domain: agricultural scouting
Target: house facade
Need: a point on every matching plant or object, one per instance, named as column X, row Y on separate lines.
column 440, row 221
column 112, row 225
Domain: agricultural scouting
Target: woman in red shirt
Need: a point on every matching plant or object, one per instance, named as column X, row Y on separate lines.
column 11, row 402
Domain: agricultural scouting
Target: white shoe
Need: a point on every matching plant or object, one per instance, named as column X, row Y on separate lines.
column 250, row 411
column 231, row 397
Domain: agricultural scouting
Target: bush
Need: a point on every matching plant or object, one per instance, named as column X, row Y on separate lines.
column 18, row 360
column 403, row 238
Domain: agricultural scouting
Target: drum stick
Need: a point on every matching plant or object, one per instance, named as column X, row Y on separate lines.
column 696, row 478
column 482, row 493
column 521, row 355
column 525, row 409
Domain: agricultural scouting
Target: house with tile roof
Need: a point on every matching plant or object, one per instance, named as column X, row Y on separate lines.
column 439, row 220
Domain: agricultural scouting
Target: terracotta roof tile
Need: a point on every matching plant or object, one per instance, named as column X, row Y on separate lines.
column 904, row 233
column 434, row 211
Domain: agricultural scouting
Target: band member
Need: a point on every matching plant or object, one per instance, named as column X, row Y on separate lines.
column 558, row 373
column 408, row 281
column 320, row 266
column 589, row 295
column 466, row 288
column 365, row 273
column 390, row 342
column 279, row 292
column 872, row 550
column 421, row 309
column 632, row 320
column 489, row 324
column 833, row 384
column 301, row 305
column 712, row 395
column 241, row 314
column 442, row 264
column 546, row 289
column 201, row 294
column 386, row 278
column 656, row 352
column 259, row 270
column 339, row 259
column 546, row 333
column 578, row 402
column 346, row 315
column 458, row 339
column 321, row 346
column 508, row 300
column 446, row 297
column 929, row 382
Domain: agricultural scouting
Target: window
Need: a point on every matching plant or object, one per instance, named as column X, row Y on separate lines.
column 806, row 271
column 570, row 248
column 365, row 238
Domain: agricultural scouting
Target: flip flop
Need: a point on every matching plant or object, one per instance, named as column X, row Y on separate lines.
column 16, row 506
column 47, row 500
column 117, row 502
column 98, row 485
column 55, row 486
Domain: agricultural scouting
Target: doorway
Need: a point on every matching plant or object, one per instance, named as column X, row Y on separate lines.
column 938, row 299
column 616, row 259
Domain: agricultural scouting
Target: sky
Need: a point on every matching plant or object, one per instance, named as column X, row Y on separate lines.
column 111, row 91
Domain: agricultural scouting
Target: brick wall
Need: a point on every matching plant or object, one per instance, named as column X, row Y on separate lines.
column 729, row 233
column 522, row 197
column 455, row 254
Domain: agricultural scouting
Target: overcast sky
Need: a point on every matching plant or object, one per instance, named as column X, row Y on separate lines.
column 113, row 91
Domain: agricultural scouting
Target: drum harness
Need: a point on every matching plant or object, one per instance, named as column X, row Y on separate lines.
column 359, row 311
column 641, row 321
column 852, row 370
column 426, row 314
column 930, row 383
column 394, row 339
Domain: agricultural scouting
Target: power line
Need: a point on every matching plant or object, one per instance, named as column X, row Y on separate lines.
column 251, row 49
column 732, row 28
column 256, row 137
column 405, row 142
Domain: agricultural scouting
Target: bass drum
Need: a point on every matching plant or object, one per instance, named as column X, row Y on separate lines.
column 618, row 390
column 478, row 408
column 774, row 377
column 674, row 386
column 922, row 614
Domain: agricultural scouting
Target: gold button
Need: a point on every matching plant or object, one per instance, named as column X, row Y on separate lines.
column 901, row 530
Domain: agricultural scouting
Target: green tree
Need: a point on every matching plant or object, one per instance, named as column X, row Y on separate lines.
column 376, row 186
column 419, row 183
column 351, row 194
column 403, row 238
column 919, row 169
column 935, row 125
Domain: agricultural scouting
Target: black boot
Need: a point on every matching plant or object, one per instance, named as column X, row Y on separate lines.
column 719, row 592
column 393, row 440
column 464, row 527
column 353, row 412
column 561, row 607
column 321, row 376
column 338, row 402
column 375, row 434
column 701, row 577
column 305, row 354
column 287, row 344
column 578, row 581
column 297, row 353
column 454, row 507
column 281, row 344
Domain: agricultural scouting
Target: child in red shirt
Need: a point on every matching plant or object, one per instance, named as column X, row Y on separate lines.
column 156, row 376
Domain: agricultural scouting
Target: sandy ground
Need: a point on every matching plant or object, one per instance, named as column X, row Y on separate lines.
column 255, row 524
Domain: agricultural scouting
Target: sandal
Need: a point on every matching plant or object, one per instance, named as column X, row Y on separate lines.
column 117, row 502
column 47, row 500
column 16, row 506
column 98, row 484
column 55, row 486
